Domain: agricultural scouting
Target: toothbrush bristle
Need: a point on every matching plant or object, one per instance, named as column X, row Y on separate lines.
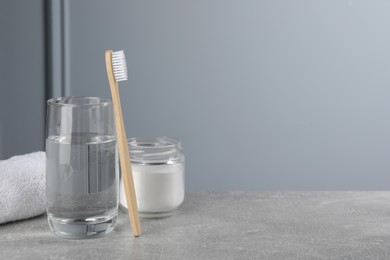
column 119, row 65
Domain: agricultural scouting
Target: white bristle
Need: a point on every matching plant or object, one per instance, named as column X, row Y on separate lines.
column 119, row 65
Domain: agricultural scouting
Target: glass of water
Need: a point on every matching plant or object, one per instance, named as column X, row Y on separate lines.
column 81, row 167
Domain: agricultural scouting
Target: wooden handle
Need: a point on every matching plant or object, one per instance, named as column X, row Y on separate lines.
column 124, row 154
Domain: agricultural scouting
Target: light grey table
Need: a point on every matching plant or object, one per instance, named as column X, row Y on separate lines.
column 229, row 225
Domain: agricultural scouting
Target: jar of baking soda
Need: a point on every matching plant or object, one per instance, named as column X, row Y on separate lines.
column 158, row 173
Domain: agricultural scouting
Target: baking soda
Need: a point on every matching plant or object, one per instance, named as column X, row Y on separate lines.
column 159, row 188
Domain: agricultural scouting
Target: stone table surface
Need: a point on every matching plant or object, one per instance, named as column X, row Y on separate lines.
column 229, row 225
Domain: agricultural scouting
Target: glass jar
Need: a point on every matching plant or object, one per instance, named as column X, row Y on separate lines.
column 158, row 173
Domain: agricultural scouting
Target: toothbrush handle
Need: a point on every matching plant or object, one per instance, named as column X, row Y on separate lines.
column 123, row 148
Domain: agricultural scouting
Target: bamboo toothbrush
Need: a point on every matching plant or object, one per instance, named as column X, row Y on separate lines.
column 117, row 71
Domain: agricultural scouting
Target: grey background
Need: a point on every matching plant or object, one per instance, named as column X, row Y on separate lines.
column 22, row 77
column 265, row 95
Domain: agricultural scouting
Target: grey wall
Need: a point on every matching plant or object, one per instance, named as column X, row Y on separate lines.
column 264, row 94
column 22, row 78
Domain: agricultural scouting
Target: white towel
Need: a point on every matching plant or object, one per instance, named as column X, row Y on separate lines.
column 22, row 186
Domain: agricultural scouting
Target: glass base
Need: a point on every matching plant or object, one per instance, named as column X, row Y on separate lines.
column 155, row 215
column 150, row 214
column 82, row 228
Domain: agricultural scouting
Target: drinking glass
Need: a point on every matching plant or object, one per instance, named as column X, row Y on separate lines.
column 81, row 167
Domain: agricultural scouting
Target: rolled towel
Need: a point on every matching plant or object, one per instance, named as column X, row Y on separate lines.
column 22, row 187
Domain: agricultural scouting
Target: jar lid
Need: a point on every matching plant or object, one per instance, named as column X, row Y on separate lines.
column 155, row 150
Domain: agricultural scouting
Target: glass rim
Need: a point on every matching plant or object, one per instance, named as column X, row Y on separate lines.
column 153, row 143
column 59, row 101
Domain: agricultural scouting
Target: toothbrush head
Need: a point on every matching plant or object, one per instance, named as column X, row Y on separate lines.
column 119, row 66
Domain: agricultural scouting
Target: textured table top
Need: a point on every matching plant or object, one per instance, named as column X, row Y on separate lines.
column 229, row 225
